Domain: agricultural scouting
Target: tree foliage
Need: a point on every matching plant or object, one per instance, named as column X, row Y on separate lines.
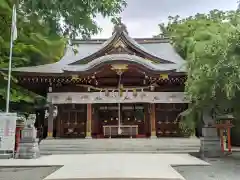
column 210, row 43
column 72, row 18
column 35, row 45
column 43, row 29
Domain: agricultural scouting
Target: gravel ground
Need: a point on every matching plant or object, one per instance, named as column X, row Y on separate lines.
column 227, row 168
column 26, row 173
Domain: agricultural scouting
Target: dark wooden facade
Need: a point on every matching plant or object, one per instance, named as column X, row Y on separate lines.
column 71, row 121
column 93, row 72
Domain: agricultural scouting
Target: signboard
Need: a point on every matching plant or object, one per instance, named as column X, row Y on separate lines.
column 112, row 97
column 7, row 131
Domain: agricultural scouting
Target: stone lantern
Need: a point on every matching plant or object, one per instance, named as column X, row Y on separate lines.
column 28, row 147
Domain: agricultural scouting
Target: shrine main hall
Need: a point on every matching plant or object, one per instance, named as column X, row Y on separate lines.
column 121, row 87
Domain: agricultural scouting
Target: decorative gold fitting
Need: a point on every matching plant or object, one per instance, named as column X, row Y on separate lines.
column 119, row 68
column 164, row 76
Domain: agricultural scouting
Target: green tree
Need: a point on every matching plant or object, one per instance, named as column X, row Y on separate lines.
column 43, row 29
column 72, row 18
column 210, row 44
column 35, row 45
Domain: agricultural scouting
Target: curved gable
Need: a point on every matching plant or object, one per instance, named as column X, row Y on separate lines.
column 121, row 40
column 116, row 58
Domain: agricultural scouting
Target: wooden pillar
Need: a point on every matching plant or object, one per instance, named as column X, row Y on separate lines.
column 89, row 121
column 50, row 121
column 153, row 121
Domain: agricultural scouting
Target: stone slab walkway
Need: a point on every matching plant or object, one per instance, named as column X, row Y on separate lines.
column 225, row 168
column 25, row 173
column 111, row 166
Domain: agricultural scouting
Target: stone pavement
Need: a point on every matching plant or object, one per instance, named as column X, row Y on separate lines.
column 111, row 166
column 25, row 173
column 226, row 168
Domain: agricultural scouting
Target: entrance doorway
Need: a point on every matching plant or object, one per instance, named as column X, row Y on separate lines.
column 71, row 121
column 133, row 122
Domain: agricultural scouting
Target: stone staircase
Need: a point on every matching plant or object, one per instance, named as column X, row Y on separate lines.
column 87, row 146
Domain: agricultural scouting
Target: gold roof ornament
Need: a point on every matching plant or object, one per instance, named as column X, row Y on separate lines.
column 75, row 77
column 164, row 76
column 119, row 68
column 118, row 44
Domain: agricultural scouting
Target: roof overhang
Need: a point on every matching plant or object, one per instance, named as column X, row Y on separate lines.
column 124, row 58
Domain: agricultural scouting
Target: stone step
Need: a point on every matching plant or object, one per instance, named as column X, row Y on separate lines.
column 116, row 146
column 6, row 156
column 133, row 149
column 116, row 152
column 83, row 146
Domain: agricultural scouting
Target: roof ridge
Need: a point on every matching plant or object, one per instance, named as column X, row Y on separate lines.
column 138, row 40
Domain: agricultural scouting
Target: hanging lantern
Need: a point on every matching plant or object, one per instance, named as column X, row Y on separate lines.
column 121, row 90
column 100, row 93
column 127, row 97
column 134, row 93
column 113, row 93
column 120, row 93
column 143, row 94
column 106, row 93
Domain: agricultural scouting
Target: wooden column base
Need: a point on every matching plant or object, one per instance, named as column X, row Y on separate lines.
column 88, row 135
column 49, row 135
column 89, row 121
column 153, row 134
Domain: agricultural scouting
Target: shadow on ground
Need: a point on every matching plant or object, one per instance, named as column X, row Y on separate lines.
column 26, row 173
column 225, row 168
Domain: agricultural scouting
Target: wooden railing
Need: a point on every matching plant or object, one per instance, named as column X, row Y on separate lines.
column 127, row 130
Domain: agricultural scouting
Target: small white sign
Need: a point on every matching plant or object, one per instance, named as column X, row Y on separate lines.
column 7, row 131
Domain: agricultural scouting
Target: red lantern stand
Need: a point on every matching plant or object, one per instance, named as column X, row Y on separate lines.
column 225, row 127
column 19, row 127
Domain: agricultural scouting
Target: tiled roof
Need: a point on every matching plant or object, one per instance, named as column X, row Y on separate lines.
column 159, row 48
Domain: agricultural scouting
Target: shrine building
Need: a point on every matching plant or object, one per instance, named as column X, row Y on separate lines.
column 108, row 88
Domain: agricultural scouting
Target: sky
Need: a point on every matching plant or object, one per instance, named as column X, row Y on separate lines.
column 143, row 16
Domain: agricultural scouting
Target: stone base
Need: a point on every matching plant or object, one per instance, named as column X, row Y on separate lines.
column 210, row 147
column 28, row 150
column 88, row 135
column 153, row 135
